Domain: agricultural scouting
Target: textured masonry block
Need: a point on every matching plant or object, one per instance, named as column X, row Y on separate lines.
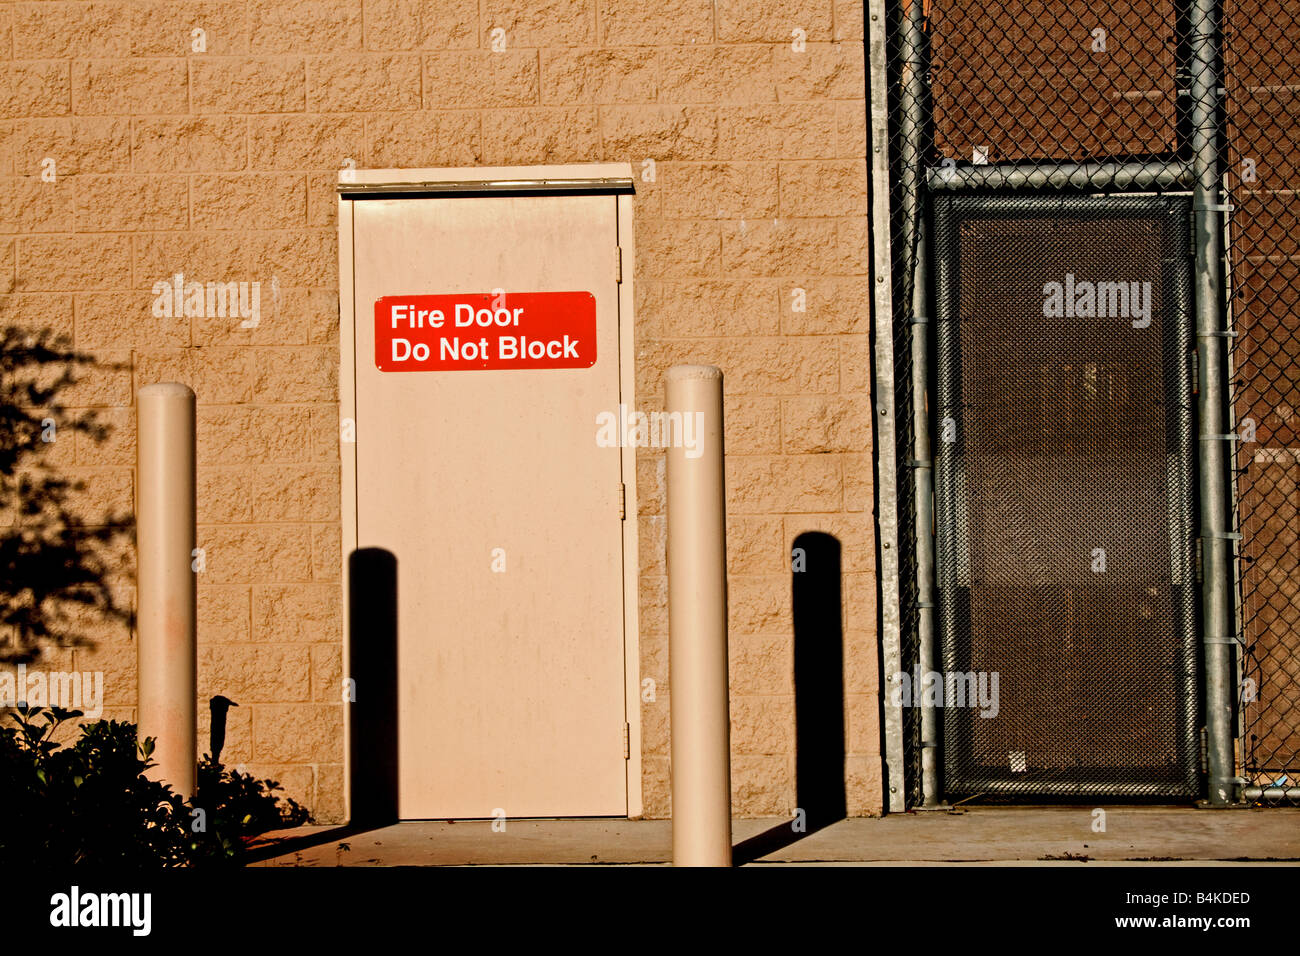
column 855, row 363
column 817, row 424
column 777, row 131
column 229, row 434
column 119, row 87
column 762, row 786
column 759, row 604
column 295, row 493
column 762, row 725
column 292, row 613
column 242, row 554
column 326, row 553
column 761, row 664
column 254, row 674
column 855, row 533
column 753, row 424
column 325, row 433
column 307, row 374
column 194, row 144
column 121, row 203
column 115, row 448
column 107, row 319
column 104, row 382
column 599, row 76
column 291, row 26
column 755, row 545
column 71, row 263
column 249, row 201
column 363, row 82
column 773, row 21
column 455, row 80
column 298, row 733
column 678, row 248
column 697, row 309
column 328, row 801
column 719, row 190
column 52, row 31
column 655, row 22
column 540, row 136
column 540, row 23
column 782, row 247
column 717, row 74
column 32, row 88
column 167, row 28
column 29, row 205
column 248, row 85
column 217, row 375
column 78, row 144
column 421, row 24
column 659, row 132
column 823, row 188
column 423, row 139
column 35, row 311
column 327, row 672
column 299, row 258
column 199, row 256
column 783, row 485
column 829, row 306
column 223, row 613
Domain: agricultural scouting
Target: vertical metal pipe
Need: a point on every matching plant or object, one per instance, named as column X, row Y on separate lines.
column 916, row 253
column 882, row 347
column 1217, row 635
column 697, row 622
column 165, row 541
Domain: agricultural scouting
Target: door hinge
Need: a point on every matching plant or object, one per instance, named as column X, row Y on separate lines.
column 1200, row 561
column 622, row 502
column 1196, row 371
column 627, row 741
column 1205, row 751
column 618, row 263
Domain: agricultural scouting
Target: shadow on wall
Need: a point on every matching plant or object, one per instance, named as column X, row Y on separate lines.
column 372, row 667
column 818, row 696
column 58, row 564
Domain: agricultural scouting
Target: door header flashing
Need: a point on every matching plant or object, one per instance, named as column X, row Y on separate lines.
column 605, row 185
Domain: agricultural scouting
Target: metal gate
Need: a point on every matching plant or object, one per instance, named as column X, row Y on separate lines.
column 1074, row 101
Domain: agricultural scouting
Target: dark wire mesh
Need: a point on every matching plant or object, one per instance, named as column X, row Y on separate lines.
column 1064, row 500
column 1262, row 174
column 1078, row 98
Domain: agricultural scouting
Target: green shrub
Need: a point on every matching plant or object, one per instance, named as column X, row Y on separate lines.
column 89, row 803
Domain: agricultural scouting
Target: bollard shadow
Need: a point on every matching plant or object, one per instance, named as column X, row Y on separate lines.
column 372, row 667
column 818, row 695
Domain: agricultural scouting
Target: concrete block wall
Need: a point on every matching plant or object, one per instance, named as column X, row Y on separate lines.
column 213, row 154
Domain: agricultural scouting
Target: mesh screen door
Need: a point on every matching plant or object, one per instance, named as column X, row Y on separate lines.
column 1064, row 494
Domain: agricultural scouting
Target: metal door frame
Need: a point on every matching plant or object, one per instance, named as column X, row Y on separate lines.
column 1199, row 172
column 609, row 178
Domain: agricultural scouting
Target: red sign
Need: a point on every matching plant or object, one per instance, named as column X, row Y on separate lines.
column 474, row 331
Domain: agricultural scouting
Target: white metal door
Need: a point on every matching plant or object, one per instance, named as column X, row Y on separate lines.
column 503, row 514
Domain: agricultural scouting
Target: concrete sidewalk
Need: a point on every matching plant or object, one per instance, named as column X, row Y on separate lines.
column 984, row 835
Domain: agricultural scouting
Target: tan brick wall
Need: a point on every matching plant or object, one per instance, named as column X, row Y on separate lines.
column 220, row 165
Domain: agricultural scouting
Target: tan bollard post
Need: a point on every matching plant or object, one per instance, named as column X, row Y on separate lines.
column 165, row 542
column 697, row 621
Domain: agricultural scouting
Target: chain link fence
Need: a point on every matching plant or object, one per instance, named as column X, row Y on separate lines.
column 1068, row 98
column 1261, row 48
